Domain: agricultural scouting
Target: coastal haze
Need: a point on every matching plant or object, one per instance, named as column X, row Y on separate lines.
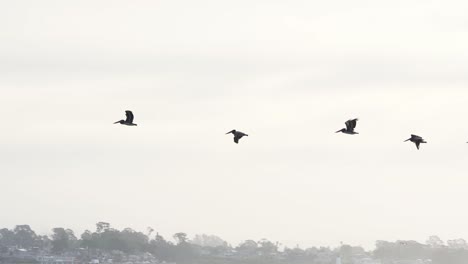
column 288, row 73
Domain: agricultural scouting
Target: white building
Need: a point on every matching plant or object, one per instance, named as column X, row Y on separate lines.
column 55, row 260
column 338, row 260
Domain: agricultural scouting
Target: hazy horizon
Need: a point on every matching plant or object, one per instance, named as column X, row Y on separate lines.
column 289, row 74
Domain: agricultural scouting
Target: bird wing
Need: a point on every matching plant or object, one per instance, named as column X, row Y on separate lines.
column 417, row 144
column 351, row 124
column 129, row 115
column 238, row 136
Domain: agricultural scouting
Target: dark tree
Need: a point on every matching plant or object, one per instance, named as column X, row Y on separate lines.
column 180, row 238
column 7, row 238
column 102, row 227
column 25, row 237
column 60, row 240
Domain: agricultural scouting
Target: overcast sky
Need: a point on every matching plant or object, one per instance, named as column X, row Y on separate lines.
column 288, row 73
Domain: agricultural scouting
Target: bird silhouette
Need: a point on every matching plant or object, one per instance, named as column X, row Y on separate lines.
column 128, row 121
column 237, row 135
column 350, row 126
column 416, row 140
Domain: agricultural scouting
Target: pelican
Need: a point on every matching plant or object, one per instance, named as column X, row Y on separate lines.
column 416, row 140
column 350, row 126
column 237, row 135
column 128, row 121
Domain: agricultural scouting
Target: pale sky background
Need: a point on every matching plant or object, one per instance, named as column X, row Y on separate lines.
column 288, row 73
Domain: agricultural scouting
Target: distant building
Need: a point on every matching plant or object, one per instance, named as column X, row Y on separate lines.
column 338, row 260
column 367, row 261
column 55, row 260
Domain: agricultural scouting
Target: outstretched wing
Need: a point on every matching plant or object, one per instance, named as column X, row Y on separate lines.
column 351, row 124
column 129, row 115
column 417, row 144
column 238, row 136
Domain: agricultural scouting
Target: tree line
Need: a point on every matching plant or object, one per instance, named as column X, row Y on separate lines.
column 212, row 249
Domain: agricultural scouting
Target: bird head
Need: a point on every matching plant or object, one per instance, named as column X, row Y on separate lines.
column 232, row 131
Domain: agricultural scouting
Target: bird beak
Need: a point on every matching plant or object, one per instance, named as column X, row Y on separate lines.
column 117, row 122
column 229, row 132
column 338, row 131
column 407, row 139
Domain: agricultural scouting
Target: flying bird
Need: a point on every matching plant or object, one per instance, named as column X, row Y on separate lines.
column 237, row 135
column 350, row 126
column 128, row 121
column 416, row 140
